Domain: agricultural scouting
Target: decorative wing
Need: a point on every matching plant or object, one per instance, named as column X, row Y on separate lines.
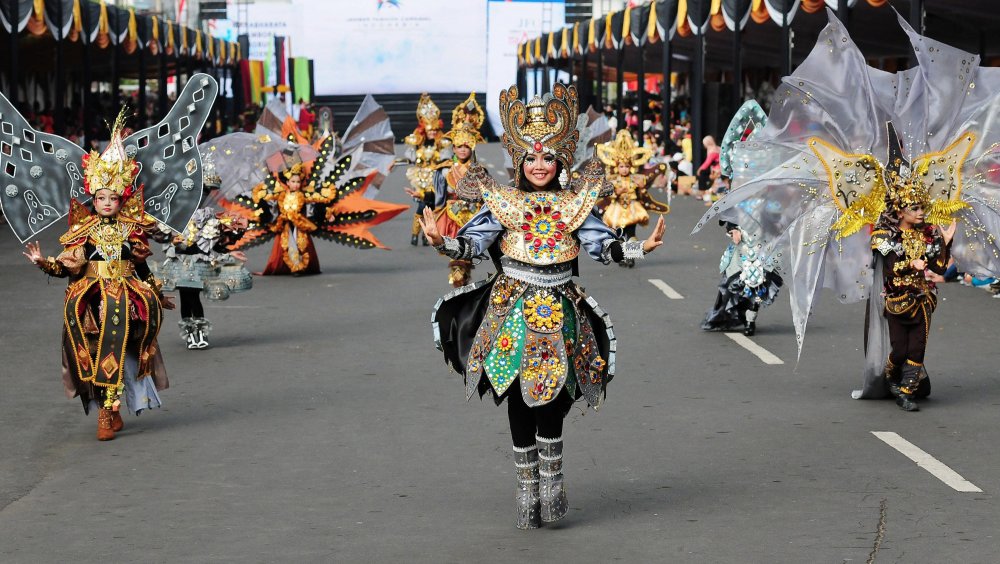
column 371, row 131
column 258, row 217
column 39, row 173
column 749, row 119
column 167, row 153
column 856, row 183
column 350, row 216
column 594, row 130
column 941, row 172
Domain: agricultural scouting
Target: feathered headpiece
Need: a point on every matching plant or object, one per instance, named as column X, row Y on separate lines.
column 546, row 124
column 466, row 120
column 623, row 150
column 113, row 169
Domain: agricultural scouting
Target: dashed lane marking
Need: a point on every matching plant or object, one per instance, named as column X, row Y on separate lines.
column 766, row 356
column 937, row 468
column 666, row 289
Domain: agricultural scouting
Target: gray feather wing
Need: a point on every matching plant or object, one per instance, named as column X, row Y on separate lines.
column 39, row 173
column 170, row 163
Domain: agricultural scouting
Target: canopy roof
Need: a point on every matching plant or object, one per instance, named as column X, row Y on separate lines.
column 966, row 24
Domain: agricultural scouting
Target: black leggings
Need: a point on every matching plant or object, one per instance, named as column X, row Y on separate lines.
column 544, row 421
column 191, row 302
column 908, row 339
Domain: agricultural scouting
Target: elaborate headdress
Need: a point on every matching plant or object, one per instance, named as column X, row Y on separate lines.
column 466, row 120
column 428, row 114
column 297, row 169
column 625, row 150
column 546, row 124
column 113, row 169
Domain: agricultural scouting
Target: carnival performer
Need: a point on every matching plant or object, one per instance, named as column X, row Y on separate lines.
column 453, row 212
column 113, row 306
column 747, row 285
column 300, row 191
column 199, row 262
column 113, row 200
column 905, row 249
column 859, row 190
column 631, row 203
column 748, row 282
column 426, row 149
column 529, row 334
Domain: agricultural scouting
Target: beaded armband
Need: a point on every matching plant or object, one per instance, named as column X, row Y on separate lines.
column 52, row 267
column 456, row 248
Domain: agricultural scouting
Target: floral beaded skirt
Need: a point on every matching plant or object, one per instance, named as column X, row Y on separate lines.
column 504, row 333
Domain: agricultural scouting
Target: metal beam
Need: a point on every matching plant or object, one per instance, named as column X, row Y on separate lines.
column 665, row 91
column 15, row 15
column 600, row 78
column 619, row 86
column 59, row 100
column 697, row 98
column 917, row 16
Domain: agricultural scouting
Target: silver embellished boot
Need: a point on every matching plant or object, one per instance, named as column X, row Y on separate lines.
column 188, row 330
column 526, row 494
column 551, row 489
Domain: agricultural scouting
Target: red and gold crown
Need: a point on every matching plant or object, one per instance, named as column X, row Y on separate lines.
column 113, row 169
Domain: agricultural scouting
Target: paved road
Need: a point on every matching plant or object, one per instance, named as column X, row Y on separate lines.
column 323, row 427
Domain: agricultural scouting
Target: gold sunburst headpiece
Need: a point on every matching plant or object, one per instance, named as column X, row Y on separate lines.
column 296, row 169
column 623, row 150
column 466, row 120
column 113, row 169
column 428, row 114
column 546, row 124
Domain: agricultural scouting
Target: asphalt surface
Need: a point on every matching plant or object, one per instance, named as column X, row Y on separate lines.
column 323, row 426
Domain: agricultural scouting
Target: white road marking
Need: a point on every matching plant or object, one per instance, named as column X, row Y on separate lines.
column 937, row 468
column 666, row 289
column 760, row 352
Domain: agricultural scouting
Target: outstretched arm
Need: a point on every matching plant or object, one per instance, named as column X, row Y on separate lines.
column 602, row 244
column 472, row 241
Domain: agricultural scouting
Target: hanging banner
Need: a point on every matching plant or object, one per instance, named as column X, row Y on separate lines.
column 393, row 46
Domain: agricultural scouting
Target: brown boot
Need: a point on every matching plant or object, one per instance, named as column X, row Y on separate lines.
column 105, row 432
column 116, row 421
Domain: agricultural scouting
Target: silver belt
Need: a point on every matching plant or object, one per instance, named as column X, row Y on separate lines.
column 548, row 276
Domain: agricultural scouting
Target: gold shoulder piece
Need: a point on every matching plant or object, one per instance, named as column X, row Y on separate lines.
column 80, row 220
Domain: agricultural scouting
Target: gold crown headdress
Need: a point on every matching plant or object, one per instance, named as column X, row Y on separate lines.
column 428, row 114
column 623, row 149
column 545, row 125
column 113, row 169
column 466, row 119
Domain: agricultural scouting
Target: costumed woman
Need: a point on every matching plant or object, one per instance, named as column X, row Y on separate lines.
column 856, row 181
column 300, row 191
column 426, row 149
column 113, row 306
column 529, row 334
column 748, row 283
column 454, row 212
column 631, row 203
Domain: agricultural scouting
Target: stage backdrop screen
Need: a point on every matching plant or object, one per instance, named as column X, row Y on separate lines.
column 392, row 46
